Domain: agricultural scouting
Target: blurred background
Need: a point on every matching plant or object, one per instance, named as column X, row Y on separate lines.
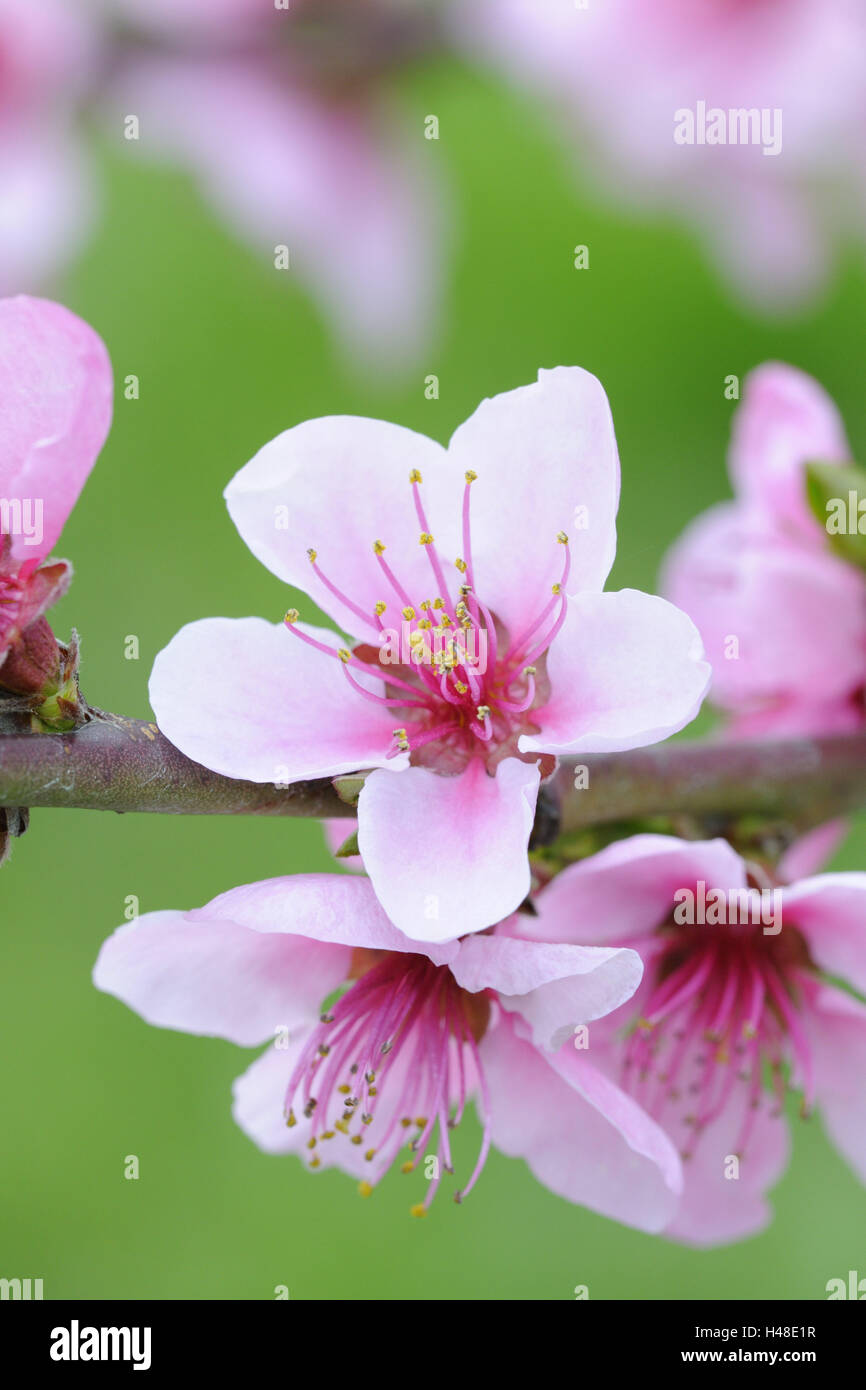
column 228, row 351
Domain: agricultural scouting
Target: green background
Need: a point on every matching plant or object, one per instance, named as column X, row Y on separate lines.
column 228, row 354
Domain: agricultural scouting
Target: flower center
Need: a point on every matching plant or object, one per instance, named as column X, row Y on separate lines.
column 464, row 686
column 396, row 1056
column 721, row 1020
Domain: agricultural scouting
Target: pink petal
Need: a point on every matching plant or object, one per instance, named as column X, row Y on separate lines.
column 45, row 587
column 541, row 452
column 213, row 976
column 627, row 890
column 626, row 670
column 337, row 830
column 716, row 1209
column 792, row 718
column 251, row 700
column 319, row 907
column 837, row 1030
column 259, row 1102
column 580, row 1134
column 552, row 986
column 287, row 166
column 56, row 388
column 760, row 601
column 48, row 199
column 448, row 855
column 336, row 485
column 830, row 911
column 810, row 852
column 785, row 420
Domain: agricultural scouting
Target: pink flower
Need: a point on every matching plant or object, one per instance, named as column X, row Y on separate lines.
column 783, row 618
column 56, row 389
column 418, row 1033
column 626, row 75
column 518, row 655
column 724, row 1008
column 293, row 158
column 45, row 183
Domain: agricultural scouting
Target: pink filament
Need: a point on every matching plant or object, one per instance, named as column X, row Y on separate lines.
column 406, row 1010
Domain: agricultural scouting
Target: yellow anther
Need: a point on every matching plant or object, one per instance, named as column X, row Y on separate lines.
column 312, row 556
column 460, row 687
column 529, row 670
column 342, row 1126
column 315, row 1162
column 424, row 624
column 405, row 1122
column 407, row 1167
column 425, row 538
column 556, row 588
column 418, row 1210
column 408, row 613
column 562, row 538
column 461, row 565
column 370, row 1154
column 483, row 712
column 422, row 1122
column 328, row 1134
column 438, row 603
column 470, row 476
column 426, row 605
column 465, row 589
column 344, row 1089
column 311, row 1143
column 344, row 654
column 292, row 615
column 378, row 547
column 365, row 1189
column 445, row 621
column 381, row 608
column 291, row 1120
column 461, row 610
column 399, row 734
column 415, row 476
column 356, row 1139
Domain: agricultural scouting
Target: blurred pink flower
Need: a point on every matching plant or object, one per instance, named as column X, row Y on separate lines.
column 783, row 618
column 294, row 157
column 56, row 390
column 624, row 74
column 418, row 1032
column 47, row 51
column 723, row 1011
column 518, row 656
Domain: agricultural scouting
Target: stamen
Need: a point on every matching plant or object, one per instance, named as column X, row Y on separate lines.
column 338, row 593
column 378, row 551
column 409, row 1014
column 426, row 537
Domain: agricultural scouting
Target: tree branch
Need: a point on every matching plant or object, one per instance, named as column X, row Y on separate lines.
column 803, row 781
column 117, row 764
